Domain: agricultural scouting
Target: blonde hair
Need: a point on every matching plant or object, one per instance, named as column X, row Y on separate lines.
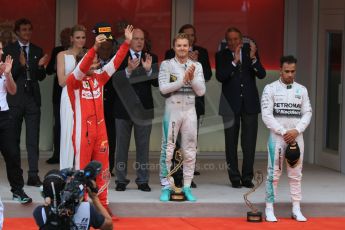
column 181, row 36
column 77, row 28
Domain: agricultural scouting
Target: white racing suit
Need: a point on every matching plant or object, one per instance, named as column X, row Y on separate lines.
column 179, row 115
column 284, row 107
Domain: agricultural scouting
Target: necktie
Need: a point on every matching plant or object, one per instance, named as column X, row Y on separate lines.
column 137, row 55
column 25, row 53
column 27, row 64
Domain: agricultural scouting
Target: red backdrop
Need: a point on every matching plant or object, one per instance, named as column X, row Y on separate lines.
column 42, row 15
column 261, row 20
column 153, row 16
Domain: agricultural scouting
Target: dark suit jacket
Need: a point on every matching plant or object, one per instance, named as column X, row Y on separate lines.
column 133, row 96
column 206, row 67
column 51, row 69
column 238, row 83
column 18, row 72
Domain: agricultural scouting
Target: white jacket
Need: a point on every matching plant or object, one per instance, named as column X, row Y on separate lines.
column 285, row 107
column 171, row 74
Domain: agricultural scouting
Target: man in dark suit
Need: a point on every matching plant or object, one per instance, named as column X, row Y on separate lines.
column 200, row 54
column 133, row 107
column 28, row 69
column 57, row 89
column 237, row 68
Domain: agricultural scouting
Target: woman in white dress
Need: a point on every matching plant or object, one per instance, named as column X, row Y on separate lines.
column 65, row 65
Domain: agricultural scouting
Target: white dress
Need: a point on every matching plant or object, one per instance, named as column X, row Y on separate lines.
column 66, row 119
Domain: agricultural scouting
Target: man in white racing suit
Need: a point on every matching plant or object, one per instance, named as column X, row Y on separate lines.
column 287, row 112
column 180, row 80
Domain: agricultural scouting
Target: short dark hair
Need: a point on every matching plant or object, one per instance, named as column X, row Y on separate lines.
column 181, row 36
column 289, row 59
column 186, row 26
column 232, row 29
column 21, row 21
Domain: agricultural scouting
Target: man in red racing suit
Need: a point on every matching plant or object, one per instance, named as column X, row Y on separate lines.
column 85, row 90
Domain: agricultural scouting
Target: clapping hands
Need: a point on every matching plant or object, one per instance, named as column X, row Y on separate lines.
column 6, row 67
column 253, row 50
column 147, row 63
column 43, row 60
column 135, row 62
column 22, row 59
column 237, row 54
column 189, row 74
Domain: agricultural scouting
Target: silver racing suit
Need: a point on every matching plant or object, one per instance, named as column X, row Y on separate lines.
column 284, row 107
column 179, row 115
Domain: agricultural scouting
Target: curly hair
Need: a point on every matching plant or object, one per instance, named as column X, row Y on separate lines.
column 21, row 21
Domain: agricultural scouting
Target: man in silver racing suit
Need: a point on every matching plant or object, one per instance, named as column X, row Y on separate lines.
column 287, row 112
column 180, row 79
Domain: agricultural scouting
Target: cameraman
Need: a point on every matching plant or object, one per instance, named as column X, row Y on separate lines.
column 86, row 214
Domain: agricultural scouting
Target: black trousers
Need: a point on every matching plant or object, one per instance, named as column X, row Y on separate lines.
column 31, row 113
column 249, row 128
column 111, row 131
column 57, row 131
column 11, row 152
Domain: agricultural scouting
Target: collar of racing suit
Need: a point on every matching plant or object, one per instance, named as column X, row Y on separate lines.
column 288, row 86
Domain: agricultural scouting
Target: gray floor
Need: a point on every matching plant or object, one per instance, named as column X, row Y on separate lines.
column 323, row 193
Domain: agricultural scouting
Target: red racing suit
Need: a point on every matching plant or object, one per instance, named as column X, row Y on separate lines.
column 90, row 139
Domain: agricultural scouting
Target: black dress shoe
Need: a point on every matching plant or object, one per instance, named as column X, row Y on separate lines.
column 236, row 184
column 196, row 173
column 193, row 185
column 53, row 160
column 21, row 197
column 144, row 187
column 247, row 184
column 34, row 181
column 120, row 187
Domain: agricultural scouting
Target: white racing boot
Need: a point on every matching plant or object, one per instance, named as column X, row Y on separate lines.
column 269, row 211
column 297, row 214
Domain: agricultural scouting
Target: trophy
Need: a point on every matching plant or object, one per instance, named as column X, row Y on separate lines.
column 176, row 193
column 254, row 215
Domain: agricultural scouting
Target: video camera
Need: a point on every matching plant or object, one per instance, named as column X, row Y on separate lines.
column 64, row 202
column 73, row 193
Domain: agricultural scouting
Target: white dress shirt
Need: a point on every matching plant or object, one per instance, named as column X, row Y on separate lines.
column 3, row 94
